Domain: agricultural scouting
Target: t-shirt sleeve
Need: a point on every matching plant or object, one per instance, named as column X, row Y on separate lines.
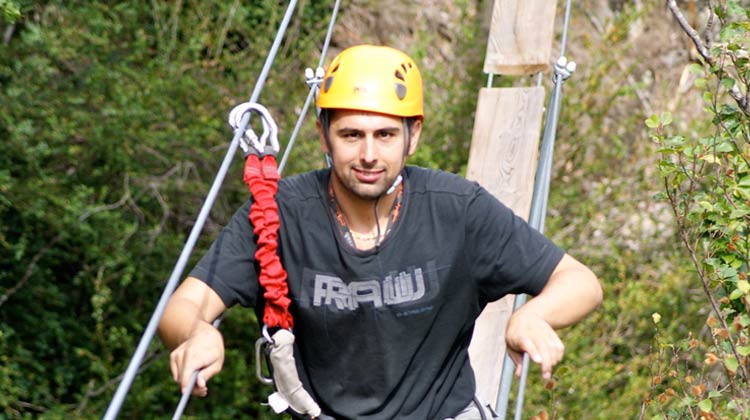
column 229, row 266
column 506, row 255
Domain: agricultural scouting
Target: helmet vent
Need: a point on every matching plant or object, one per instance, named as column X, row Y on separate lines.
column 335, row 68
column 400, row 91
column 400, row 76
column 327, row 83
column 403, row 66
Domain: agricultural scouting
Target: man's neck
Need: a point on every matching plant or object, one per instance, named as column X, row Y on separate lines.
column 360, row 212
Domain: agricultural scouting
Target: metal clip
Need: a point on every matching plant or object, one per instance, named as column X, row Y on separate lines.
column 249, row 138
column 261, row 355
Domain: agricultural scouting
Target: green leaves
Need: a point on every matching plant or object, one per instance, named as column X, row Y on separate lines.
column 705, row 176
column 662, row 120
column 10, row 11
column 706, row 405
column 111, row 133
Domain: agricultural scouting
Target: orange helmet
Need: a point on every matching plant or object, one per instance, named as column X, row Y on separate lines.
column 373, row 78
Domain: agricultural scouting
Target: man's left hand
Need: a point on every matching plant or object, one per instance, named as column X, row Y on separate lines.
column 530, row 333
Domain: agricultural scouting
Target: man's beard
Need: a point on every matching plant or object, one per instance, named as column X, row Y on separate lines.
column 362, row 190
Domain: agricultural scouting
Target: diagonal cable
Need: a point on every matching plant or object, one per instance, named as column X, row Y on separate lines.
column 137, row 358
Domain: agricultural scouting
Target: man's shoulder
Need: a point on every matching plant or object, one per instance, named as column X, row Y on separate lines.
column 302, row 186
column 424, row 180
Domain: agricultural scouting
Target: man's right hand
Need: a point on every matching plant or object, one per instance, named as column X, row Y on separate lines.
column 203, row 351
column 186, row 329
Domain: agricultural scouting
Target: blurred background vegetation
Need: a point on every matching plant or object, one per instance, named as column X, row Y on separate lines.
column 113, row 124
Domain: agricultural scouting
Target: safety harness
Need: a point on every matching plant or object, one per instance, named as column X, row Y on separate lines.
column 262, row 176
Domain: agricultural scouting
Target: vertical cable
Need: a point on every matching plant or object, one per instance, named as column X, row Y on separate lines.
column 536, row 217
column 313, row 90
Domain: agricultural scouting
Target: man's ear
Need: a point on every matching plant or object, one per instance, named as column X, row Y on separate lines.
column 416, row 130
column 321, row 134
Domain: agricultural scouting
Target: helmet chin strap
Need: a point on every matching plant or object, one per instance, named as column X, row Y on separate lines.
column 395, row 185
column 324, row 120
column 407, row 144
column 396, row 182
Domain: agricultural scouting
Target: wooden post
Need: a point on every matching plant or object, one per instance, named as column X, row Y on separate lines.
column 520, row 40
column 503, row 159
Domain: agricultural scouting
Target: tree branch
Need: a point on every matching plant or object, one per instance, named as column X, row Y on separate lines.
column 225, row 30
column 704, row 51
column 29, row 269
column 149, row 359
column 9, row 33
column 709, row 24
column 692, row 33
column 35, row 259
column 629, row 77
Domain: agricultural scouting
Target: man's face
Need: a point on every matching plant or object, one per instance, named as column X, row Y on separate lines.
column 369, row 151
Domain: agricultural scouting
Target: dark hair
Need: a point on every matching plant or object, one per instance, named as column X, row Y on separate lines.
column 326, row 114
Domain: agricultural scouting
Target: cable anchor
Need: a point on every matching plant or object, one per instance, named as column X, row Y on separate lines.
column 564, row 68
column 314, row 78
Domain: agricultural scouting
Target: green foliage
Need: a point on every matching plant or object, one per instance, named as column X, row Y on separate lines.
column 113, row 123
column 112, row 120
column 601, row 211
column 707, row 184
column 112, row 117
column 10, row 11
column 450, row 99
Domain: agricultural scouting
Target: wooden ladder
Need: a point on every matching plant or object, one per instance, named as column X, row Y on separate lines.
column 504, row 149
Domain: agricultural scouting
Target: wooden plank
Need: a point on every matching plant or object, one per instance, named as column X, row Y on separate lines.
column 520, row 40
column 503, row 159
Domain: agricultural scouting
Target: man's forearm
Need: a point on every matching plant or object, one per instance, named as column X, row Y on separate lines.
column 572, row 292
column 192, row 307
column 181, row 320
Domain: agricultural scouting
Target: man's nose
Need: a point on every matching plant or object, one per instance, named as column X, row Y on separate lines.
column 369, row 152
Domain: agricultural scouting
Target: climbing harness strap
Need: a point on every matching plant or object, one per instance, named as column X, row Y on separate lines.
column 261, row 175
column 123, row 387
column 262, row 178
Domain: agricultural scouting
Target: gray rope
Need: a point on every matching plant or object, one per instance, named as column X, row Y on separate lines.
column 186, row 395
column 313, row 80
column 563, row 70
column 137, row 358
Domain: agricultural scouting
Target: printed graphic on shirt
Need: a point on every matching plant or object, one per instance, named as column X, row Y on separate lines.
column 414, row 286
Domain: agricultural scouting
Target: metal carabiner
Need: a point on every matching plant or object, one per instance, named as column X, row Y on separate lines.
column 249, row 138
column 261, row 354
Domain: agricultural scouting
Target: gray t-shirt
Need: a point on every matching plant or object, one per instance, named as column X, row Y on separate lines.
column 384, row 333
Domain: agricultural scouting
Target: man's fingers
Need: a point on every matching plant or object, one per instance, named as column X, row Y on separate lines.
column 204, row 353
column 553, row 351
column 202, row 376
column 529, row 346
column 208, row 372
column 201, row 386
column 529, row 333
column 546, row 352
column 174, row 366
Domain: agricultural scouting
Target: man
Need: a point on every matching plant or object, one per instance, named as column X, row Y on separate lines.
column 388, row 265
